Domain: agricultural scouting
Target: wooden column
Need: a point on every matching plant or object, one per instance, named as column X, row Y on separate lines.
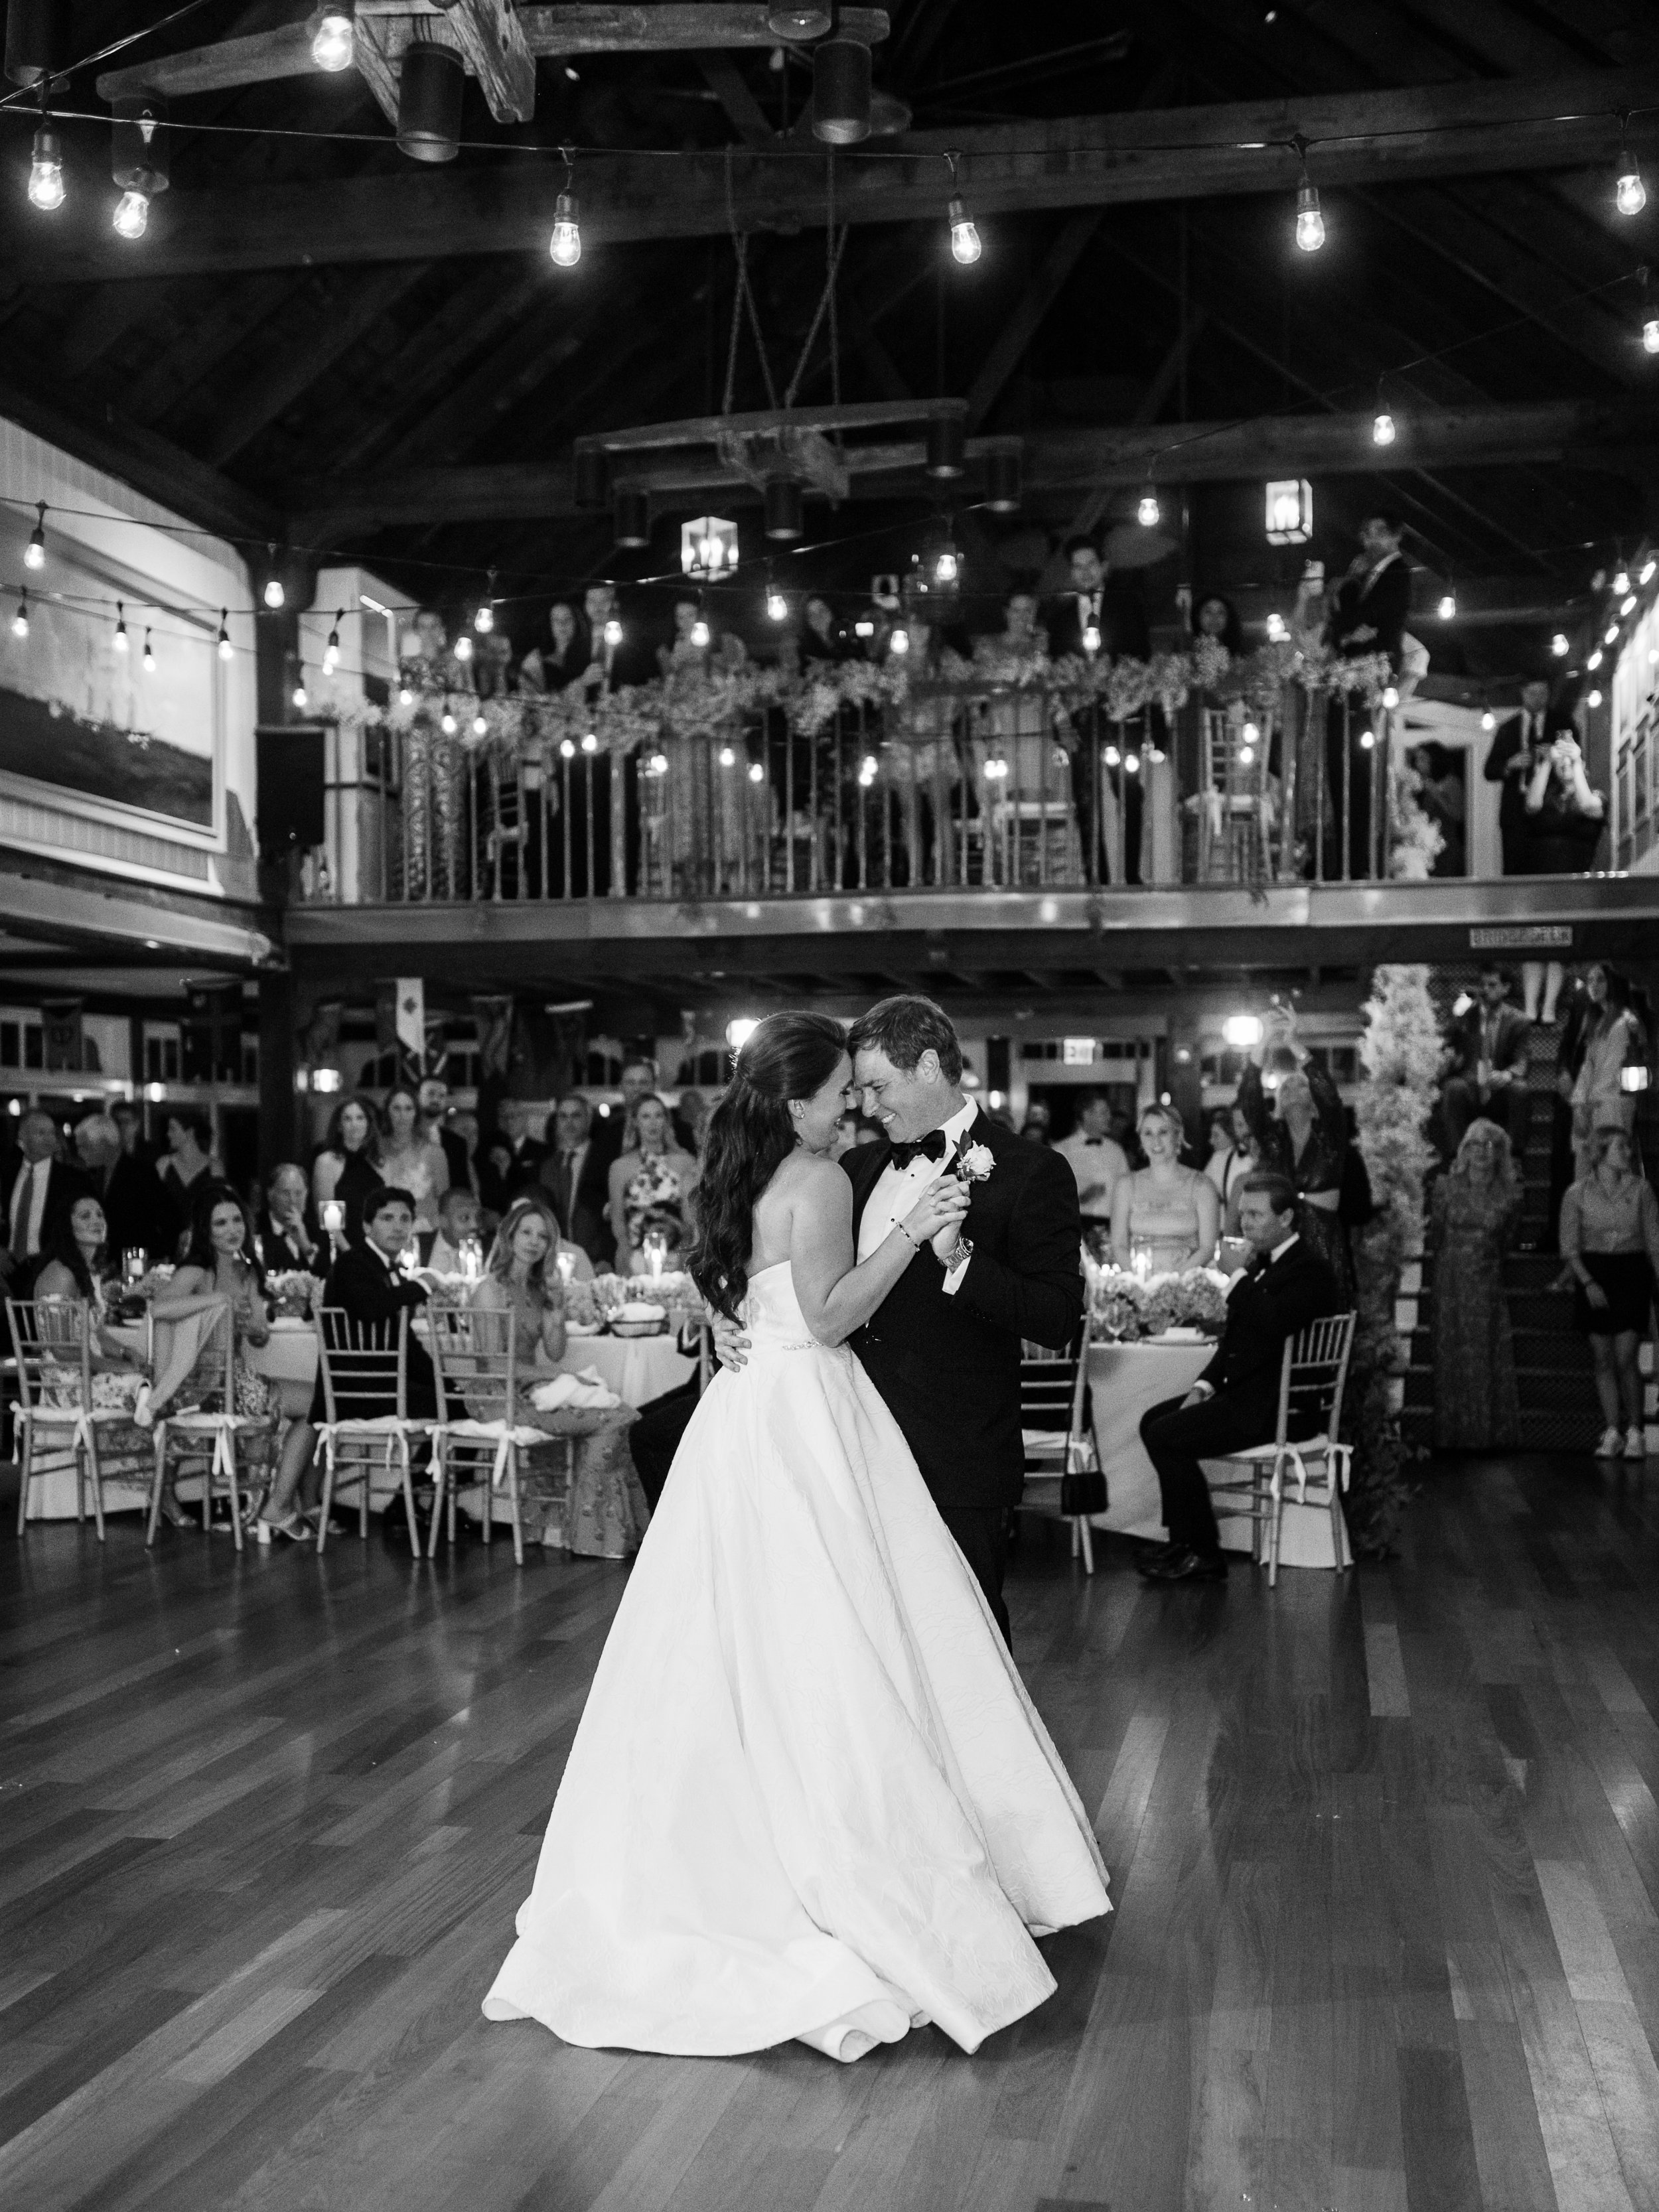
column 279, row 1123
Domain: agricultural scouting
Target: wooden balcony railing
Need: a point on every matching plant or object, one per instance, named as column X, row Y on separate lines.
column 962, row 785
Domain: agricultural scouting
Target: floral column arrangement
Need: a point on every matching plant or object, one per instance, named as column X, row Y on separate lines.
column 1400, row 1053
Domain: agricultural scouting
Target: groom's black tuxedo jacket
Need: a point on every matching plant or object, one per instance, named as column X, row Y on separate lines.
column 949, row 1367
column 1262, row 1311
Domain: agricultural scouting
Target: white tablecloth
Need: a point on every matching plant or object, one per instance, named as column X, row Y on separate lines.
column 637, row 1368
column 1126, row 1380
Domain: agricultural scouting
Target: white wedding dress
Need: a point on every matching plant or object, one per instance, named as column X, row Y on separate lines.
column 809, row 1797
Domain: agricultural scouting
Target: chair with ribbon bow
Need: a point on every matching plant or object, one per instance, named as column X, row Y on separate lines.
column 52, row 1343
column 212, row 1442
column 365, row 1364
column 481, row 1397
column 1059, row 1443
column 1311, row 1382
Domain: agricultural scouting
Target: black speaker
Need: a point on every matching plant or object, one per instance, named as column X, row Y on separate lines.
column 291, row 789
column 431, row 82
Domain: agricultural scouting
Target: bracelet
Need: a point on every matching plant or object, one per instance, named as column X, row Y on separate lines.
column 906, row 1235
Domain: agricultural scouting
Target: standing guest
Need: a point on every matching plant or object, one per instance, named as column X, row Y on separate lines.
column 1520, row 743
column 1569, row 1059
column 1164, row 1216
column 1303, row 1136
column 1477, row 1207
column 1366, row 615
column 576, row 1178
column 1441, row 796
column 606, row 1513
column 220, row 1272
column 1247, row 1152
column 1096, row 610
column 460, row 1219
column 822, row 637
column 39, row 1189
column 1610, row 1242
column 129, row 1121
column 565, row 660
column 1093, row 1158
column 464, row 1128
column 1229, row 1162
column 188, row 1166
column 1037, row 1128
column 1564, row 820
column 1234, row 1404
column 615, row 1133
column 1490, row 1044
column 434, row 1095
column 368, row 1284
column 524, row 1153
column 650, row 1187
column 691, row 1121
column 410, row 1160
column 137, row 1215
column 1216, row 617
column 287, row 1231
column 1613, row 1041
column 348, row 1167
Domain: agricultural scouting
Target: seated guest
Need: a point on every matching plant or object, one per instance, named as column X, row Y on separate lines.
column 222, row 1271
column 650, row 1189
column 72, row 1269
column 368, row 1284
column 1610, row 1242
column 1235, row 1402
column 605, row 1514
column 136, row 1212
column 459, row 1220
column 287, row 1231
column 348, row 1167
column 1490, row 1043
column 1093, row 1158
column 574, row 1175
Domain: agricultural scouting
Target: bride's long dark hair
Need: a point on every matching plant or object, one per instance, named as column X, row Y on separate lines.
column 751, row 1134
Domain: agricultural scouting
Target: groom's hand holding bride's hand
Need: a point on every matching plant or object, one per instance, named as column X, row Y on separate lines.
column 937, row 1217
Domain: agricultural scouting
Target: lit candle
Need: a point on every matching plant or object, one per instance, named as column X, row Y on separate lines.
column 132, row 1265
column 333, row 1217
column 566, row 1264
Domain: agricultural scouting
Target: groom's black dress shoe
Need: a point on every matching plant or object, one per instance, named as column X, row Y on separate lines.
column 1188, row 1567
column 1153, row 1558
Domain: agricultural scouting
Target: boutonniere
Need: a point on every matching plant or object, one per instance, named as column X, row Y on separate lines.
column 975, row 1164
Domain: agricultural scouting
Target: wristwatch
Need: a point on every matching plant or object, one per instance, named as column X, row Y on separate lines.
column 961, row 1252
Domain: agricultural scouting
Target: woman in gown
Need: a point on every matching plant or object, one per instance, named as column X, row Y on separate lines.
column 1304, row 1135
column 650, row 1187
column 809, row 1797
column 604, row 1515
column 1164, row 1216
column 1477, row 1207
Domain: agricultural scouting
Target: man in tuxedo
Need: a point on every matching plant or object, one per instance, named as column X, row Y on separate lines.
column 1516, row 749
column 524, row 1153
column 38, row 1190
column 1490, row 1040
column 1367, row 615
column 573, row 1175
column 289, row 1233
column 434, row 1095
column 1235, row 1402
column 1097, row 617
column 137, row 1215
column 367, row 1283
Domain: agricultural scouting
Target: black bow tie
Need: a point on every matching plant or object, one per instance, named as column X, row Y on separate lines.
column 1094, row 1140
column 1259, row 1265
column 930, row 1147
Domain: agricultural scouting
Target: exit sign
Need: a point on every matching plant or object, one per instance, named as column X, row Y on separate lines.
column 1078, row 1052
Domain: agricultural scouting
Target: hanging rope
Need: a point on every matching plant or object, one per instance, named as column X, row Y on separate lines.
column 834, row 248
column 743, row 298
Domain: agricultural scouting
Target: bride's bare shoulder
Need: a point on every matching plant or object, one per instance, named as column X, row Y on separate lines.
column 809, row 1177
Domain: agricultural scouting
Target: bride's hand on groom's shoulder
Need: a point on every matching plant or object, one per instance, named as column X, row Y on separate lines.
column 730, row 1343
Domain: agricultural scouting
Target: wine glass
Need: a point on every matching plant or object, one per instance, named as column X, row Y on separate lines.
column 654, row 1246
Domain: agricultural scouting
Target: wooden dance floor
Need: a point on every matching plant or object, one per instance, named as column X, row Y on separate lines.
column 1385, row 1854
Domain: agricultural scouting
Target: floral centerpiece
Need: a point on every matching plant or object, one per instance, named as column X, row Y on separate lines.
column 292, row 1292
column 1128, row 1309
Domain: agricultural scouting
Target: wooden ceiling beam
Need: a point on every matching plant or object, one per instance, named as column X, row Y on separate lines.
column 742, row 111
column 1055, row 459
column 1376, row 136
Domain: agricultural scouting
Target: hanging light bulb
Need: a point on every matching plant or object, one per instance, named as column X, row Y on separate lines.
column 301, row 698
column 464, row 646
column 148, row 655
column 1648, row 567
column 1382, row 428
column 1277, row 632
column 121, row 639
column 332, row 40
column 1367, row 740
column 1310, row 223
column 1609, row 636
column 567, row 749
column 965, row 246
column 484, row 621
column 1092, row 637
column 613, row 632
column 1592, row 699
column 20, row 621
column 332, row 650
column 700, row 633
column 947, row 568
column 590, row 742
column 566, row 244
column 1489, row 721
column 1595, row 661
column 480, row 727
column 728, row 759
column 777, row 607
column 1147, row 513
column 1650, row 335
column 1631, row 193
column 1559, row 647
column 1111, row 757
column 406, row 696
column 131, row 214
column 226, row 648
column 448, row 725
column 1621, row 581
column 1448, row 608
column 899, row 643
column 46, row 170
column 275, row 594
column 34, row 553
column 1628, row 605
column 1390, row 697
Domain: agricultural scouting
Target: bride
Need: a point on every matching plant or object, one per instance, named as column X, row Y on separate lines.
column 809, row 1797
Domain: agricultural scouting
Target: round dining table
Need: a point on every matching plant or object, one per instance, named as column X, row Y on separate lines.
column 1126, row 1381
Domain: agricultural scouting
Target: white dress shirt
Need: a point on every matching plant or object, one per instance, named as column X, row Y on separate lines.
column 1098, row 1163
column 898, row 1189
column 29, row 1205
column 1278, row 1253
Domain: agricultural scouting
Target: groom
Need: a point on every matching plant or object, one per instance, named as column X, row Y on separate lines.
column 943, row 1347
